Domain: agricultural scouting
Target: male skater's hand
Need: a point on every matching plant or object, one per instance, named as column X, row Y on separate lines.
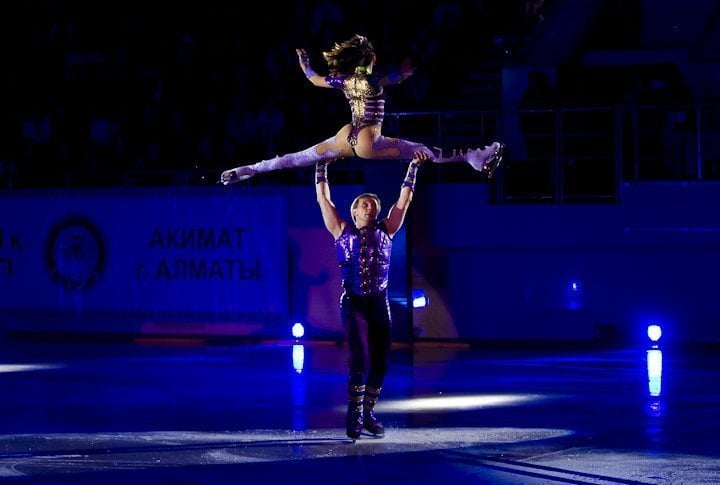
column 421, row 157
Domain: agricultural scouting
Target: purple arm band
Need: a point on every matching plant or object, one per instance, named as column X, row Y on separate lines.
column 320, row 172
column 410, row 176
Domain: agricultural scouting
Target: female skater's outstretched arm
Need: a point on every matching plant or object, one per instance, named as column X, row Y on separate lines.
column 310, row 74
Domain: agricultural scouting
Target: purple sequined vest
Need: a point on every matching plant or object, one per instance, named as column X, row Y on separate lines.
column 364, row 257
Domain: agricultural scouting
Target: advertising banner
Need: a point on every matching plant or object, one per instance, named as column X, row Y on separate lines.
column 145, row 256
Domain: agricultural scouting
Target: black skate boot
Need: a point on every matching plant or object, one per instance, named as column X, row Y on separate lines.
column 354, row 419
column 370, row 422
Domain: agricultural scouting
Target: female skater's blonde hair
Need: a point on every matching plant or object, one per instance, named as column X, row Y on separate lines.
column 345, row 57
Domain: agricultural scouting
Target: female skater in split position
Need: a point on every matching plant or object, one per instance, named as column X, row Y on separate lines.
column 351, row 66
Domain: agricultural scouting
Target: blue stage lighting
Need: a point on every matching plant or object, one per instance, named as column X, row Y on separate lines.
column 298, row 357
column 574, row 295
column 419, row 299
column 298, row 330
column 654, row 368
column 654, row 332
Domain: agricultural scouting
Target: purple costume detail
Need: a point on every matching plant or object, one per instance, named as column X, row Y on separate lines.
column 366, row 98
column 364, row 257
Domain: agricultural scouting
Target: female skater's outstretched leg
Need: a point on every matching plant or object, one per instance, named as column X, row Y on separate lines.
column 484, row 160
column 370, row 144
column 327, row 150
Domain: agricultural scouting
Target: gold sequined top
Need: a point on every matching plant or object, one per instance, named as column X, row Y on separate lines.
column 366, row 98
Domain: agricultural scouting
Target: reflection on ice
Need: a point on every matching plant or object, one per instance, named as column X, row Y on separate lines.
column 654, row 368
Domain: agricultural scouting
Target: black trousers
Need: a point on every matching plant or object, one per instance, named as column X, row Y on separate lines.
column 368, row 328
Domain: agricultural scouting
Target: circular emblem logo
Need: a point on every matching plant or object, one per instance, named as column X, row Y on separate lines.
column 75, row 254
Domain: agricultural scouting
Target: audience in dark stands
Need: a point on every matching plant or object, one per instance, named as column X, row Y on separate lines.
column 115, row 87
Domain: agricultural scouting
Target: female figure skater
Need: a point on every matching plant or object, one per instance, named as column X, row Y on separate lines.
column 351, row 66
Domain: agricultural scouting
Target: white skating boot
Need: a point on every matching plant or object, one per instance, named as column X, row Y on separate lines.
column 235, row 175
column 486, row 160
